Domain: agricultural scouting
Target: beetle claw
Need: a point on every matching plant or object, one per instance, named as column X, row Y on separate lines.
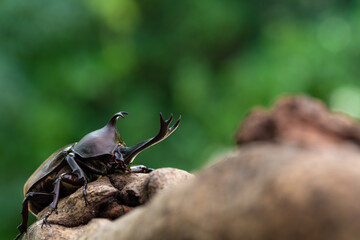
column 22, row 230
column 46, row 217
column 86, row 201
column 45, row 222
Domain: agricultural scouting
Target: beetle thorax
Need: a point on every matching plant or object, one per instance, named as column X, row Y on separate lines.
column 100, row 142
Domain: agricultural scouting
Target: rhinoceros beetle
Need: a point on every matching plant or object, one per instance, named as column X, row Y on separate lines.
column 100, row 152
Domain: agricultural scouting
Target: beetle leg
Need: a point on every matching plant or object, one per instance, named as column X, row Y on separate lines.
column 141, row 169
column 25, row 211
column 131, row 152
column 65, row 177
column 76, row 169
column 119, row 159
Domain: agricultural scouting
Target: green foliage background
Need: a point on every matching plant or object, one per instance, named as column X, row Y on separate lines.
column 67, row 66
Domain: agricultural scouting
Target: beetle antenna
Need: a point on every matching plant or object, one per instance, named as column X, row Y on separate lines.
column 113, row 120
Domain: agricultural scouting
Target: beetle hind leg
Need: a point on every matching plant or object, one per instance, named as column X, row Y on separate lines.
column 25, row 211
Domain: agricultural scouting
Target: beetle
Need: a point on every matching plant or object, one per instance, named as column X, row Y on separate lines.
column 100, row 152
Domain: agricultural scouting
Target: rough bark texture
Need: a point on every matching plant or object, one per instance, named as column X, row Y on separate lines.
column 60, row 232
column 266, row 191
column 296, row 175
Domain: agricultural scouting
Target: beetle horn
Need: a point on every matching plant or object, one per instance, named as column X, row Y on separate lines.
column 112, row 121
column 131, row 152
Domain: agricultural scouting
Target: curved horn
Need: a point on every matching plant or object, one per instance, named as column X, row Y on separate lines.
column 131, row 152
column 113, row 120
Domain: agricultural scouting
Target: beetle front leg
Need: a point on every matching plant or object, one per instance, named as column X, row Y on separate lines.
column 141, row 169
column 70, row 158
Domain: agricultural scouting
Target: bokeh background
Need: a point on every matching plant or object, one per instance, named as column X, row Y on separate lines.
column 67, row 66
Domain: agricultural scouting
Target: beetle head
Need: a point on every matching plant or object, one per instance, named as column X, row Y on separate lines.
column 102, row 141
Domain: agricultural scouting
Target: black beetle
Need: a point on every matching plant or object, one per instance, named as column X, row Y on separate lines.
column 100, row 152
